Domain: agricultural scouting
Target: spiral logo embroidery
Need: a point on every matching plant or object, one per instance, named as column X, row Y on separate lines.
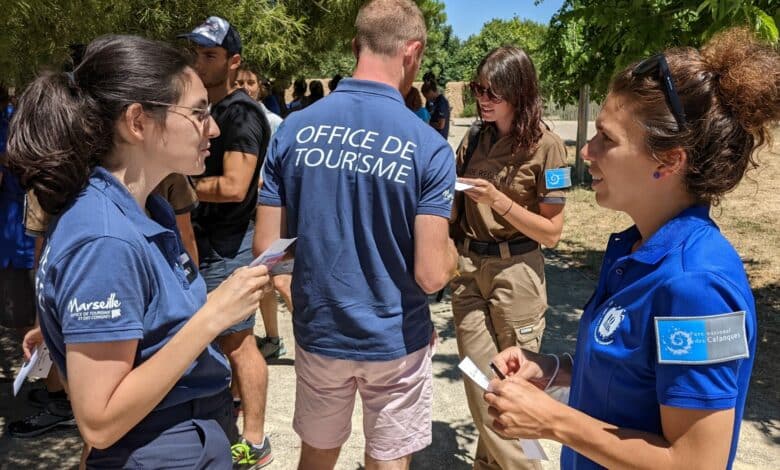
column 680, row 343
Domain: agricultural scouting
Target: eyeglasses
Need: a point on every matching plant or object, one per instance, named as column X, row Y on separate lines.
column 657, row 67
column 201, row 114
column 479, row 91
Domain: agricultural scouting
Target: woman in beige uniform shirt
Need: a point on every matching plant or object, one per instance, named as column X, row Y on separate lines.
column 500, row 296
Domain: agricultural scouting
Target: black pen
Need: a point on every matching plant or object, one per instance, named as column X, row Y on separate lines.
column 497, row 372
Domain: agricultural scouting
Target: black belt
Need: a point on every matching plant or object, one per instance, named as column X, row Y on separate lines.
column 519, row 247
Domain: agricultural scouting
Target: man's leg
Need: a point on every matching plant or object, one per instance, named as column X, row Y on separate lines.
column 252, row 372
column 324, row 399
column 397, row 398
column 282, row 284
column 397, row 464
column 317, row 459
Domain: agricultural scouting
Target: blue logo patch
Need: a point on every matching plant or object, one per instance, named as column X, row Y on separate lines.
column 701, row 340
column 557, row 178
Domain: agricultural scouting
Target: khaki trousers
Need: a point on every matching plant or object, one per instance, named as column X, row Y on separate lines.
column 497, row 302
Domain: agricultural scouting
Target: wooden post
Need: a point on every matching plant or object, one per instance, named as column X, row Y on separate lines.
column 582, row 133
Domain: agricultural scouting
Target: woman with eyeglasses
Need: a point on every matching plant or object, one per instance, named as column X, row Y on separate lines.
column 667, row 342
column 499, row 223
column 122, row 308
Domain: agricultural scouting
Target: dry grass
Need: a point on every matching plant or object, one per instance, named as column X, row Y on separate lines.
column 748, row 217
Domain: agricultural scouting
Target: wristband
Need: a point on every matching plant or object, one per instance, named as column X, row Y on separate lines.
column 511, row 203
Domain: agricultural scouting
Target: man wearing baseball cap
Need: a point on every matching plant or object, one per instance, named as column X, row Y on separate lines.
column 224, row 221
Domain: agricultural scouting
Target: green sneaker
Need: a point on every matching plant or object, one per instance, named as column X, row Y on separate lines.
column 247, row 457
column 271, row 348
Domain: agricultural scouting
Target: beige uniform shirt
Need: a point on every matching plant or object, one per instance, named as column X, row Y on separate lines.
column 175, row 188
column 519, row 176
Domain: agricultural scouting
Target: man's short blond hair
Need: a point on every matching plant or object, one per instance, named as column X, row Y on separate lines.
column 384, row 26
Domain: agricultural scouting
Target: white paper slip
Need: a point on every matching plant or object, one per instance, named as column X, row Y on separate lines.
column 38, row 366
column 531, row 447
column 468, row 367
column 274, row 253
column 462, row 186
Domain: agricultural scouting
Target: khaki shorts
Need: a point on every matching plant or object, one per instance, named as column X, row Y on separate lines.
column 397, row 399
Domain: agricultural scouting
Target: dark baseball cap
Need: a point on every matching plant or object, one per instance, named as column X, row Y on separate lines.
column 215, row 32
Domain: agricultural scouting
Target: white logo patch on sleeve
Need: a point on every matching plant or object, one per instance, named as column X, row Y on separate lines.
column 95, row 310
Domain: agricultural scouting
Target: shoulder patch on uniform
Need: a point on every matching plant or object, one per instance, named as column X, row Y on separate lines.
column 701, row 340
column 557, row 178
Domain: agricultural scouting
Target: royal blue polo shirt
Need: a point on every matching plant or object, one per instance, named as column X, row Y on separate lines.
column 16, row 248
column 673, row 324
column 111, row 273
column 354, row 170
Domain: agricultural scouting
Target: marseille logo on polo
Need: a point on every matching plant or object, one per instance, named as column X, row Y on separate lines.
column 701, row 340
column 609, row 323
column 558, row 178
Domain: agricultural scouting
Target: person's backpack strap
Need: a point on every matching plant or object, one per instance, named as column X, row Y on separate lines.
column 474, row 130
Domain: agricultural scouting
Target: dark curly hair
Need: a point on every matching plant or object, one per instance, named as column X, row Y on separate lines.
column 65, row 123
column 730, row 92
column 511, row 74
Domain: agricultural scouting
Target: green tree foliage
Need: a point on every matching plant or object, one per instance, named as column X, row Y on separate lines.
column 440, row 50
column 280, row 37
column 588, row 41
column 497, row 32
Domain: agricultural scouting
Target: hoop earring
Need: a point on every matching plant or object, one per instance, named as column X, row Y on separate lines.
column 656, row 175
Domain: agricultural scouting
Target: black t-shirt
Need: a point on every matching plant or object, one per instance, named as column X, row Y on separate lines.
column 243, row 128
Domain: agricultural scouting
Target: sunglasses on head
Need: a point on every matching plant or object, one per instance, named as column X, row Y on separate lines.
column 657, row 67
column 479, row 91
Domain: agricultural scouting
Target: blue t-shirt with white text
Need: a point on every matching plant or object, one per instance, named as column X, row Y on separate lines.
column 353, row 171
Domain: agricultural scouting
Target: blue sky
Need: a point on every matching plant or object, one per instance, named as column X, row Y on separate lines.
column 468, row 16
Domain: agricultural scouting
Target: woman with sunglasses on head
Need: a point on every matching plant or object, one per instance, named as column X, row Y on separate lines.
column 666, row 344
column 500, row 296
column 122, row 308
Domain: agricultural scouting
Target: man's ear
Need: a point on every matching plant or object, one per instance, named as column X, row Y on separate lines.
column 234, row 61
column 132, row 123
column 413, row 50
column 355, row 48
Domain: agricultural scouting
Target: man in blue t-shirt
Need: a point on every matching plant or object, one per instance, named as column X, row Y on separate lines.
column 367, row 188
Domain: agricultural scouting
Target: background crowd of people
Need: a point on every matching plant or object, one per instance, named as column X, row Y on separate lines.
column 179, row 170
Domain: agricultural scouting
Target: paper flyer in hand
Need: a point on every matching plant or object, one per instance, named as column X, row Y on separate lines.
column 462, row 186
column 279, row 250
column 531, row 447
column 38, row 366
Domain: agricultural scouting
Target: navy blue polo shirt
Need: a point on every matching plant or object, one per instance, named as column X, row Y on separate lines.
column 110, row 273
column 353, row 170
column 673, row 324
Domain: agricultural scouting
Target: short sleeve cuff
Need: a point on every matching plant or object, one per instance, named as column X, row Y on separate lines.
column 699, row 402
column 34, row 233
column 104, row 336
column 430, row 209
column 186, row 209
column 268, row 200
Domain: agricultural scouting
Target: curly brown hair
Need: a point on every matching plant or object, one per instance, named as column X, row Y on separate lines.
column 511, row 74
column 730, row 92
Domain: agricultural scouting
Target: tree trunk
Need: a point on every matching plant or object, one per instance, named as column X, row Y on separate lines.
column 582, row 133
